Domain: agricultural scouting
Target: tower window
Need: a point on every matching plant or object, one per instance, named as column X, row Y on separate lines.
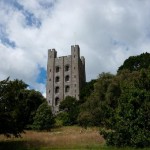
column 50, row 70
column 57, row 89
column 56, row 101
column 67, row 78
column 67, row 88
column 57, row 68
column 49, row 91
column 57, row 79
column 67, row 68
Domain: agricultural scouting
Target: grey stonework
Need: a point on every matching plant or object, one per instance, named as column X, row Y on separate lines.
column 65, row 76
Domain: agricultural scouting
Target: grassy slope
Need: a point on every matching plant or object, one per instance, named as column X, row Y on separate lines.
column 61, row 138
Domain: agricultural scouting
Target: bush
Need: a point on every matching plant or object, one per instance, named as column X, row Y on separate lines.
column 43, row 119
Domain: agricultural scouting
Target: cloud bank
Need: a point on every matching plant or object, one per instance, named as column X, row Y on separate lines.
column 108, row 32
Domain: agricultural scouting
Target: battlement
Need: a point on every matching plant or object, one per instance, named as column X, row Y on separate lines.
column 52, row 53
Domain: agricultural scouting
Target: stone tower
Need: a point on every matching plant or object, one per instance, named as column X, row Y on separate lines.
column 65, row 76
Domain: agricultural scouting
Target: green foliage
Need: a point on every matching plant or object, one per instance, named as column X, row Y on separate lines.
column 121, row 105
column 62, row 119
column 11, row 107
column 33, row 99
column 136, row 63
column 43, row 119
column 85, row 119
column 17, row 106
column 69, row 107
column 130, row 124
column 98, row 101
column 86, row 91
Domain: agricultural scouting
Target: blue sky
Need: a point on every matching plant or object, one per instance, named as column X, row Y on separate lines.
column 108, row 32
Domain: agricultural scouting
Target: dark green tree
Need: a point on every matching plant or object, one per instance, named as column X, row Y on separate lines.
column 70, row 106
column 98, row 101
column 86, row 91
column 32, row 99
column 130, row 124
column 11, row 107
column 18, row 106
column 44, row 119
column 135, row 63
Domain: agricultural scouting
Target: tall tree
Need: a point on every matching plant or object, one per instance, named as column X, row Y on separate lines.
column 11, row 107
column 18, row 106
column 130, row 124
column 135, row 63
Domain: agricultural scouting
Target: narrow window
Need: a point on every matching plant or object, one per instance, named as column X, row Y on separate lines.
column 67, row 78
column 56, row 101
column 67, row 68
column 49, row 91
column 67, row 88
column 57, row 89
column 57, row 79
column 57, row 68
column 50, row 70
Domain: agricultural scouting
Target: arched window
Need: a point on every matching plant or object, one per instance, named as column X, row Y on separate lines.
column 56, row 101
column 57, row 79
column 57, row 68
column 67, row 68
column 67, row 78
column 67, row 88
column 57, row 89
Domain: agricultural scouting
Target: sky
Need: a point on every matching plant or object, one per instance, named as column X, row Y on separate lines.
column 107, row 31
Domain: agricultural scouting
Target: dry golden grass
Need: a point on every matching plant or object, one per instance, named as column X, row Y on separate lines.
column 61, row 137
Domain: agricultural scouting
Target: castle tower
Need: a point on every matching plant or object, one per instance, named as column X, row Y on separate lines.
column 65, row 76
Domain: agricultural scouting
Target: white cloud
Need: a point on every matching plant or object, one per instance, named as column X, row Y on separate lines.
column 108, row 32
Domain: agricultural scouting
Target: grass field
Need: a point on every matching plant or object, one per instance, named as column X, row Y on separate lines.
column 61, row 138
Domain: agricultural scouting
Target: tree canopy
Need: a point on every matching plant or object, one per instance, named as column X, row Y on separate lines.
column 18, row 106
column 120, row 104
column 69, row 110
column 135, row 63
column 43, row 119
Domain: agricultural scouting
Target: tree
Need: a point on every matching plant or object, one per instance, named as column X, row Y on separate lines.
column 32, row 99
column 11, row 107
column 136, row 63
column 43, row 119
column 97, row 102
column 18, row 106
column 70, row 106
column 130, row 125
column 86, row 91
